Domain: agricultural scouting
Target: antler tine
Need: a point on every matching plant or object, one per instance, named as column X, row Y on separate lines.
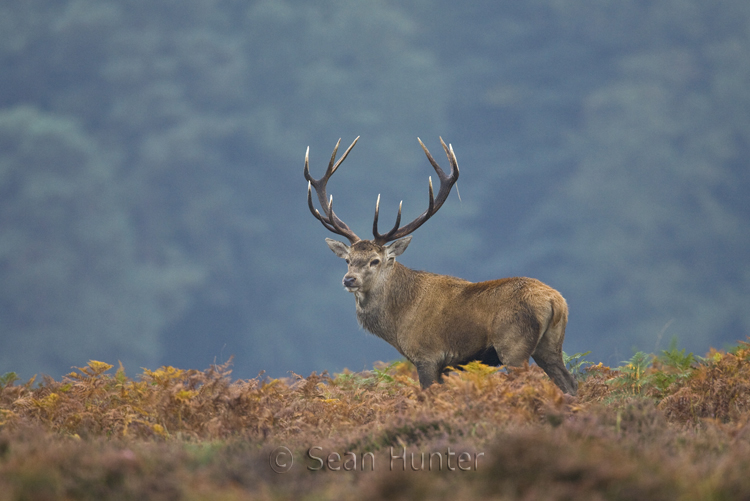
column 435, row 165
column 446, row 183
column 330, row 169
column 331, row 221
column 315, row 211
column 346, row 154
column 375, row 221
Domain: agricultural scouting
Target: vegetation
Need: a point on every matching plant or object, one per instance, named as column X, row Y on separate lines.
column 666, row 426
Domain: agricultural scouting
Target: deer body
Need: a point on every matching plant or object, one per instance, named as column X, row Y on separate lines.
column 437, row 321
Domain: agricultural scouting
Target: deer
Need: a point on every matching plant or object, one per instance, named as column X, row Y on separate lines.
column 439, row 322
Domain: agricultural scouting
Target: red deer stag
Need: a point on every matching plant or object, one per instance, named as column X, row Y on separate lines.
column 436, row 321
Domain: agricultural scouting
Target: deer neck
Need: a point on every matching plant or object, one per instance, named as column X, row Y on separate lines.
column 380, row 309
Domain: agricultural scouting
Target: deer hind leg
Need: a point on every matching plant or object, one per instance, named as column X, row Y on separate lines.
column 515, row 335
column 548, row 355
column 514, row 343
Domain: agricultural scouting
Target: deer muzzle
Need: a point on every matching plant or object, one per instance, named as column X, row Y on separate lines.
column 350, row 283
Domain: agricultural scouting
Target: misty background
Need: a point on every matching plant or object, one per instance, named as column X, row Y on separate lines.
column 153, row 208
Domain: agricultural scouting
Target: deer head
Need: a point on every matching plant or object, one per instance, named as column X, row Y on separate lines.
column 369, row 260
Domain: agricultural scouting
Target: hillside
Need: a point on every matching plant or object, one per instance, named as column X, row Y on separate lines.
column 670, row 426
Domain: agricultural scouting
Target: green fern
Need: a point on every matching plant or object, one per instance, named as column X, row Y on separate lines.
column 674, row 358
column 382, row 375
column 8, row 379
column 634, row 375
column 575, row 363
column 675, row 366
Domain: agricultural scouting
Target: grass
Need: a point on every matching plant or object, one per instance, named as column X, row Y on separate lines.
column 664, row 426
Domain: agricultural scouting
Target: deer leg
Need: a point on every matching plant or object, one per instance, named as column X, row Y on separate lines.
column 548, row 356
column 555, row 369
column 513, row 344
column 429, row 372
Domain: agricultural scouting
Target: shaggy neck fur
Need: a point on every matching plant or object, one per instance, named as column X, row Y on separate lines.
column 379, row 309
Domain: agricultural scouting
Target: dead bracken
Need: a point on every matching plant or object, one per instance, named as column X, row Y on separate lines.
column 659, row 427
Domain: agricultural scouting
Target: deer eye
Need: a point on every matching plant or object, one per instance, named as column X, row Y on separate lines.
column 347, row 261
column 375, row 262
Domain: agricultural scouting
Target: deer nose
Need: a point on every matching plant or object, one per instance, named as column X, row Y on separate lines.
column 349, row 281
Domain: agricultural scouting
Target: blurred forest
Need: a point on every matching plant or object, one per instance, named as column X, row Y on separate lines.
column 153, row 208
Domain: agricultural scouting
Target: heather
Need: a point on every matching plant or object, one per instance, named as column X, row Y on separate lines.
column 661, row 426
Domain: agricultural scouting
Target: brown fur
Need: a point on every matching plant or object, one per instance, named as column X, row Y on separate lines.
column 436, row 321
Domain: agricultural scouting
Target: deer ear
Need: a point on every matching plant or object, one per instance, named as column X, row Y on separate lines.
column 338, row 248
column 398, row 247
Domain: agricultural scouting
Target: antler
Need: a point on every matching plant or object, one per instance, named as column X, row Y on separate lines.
column 330, row 221
column 446, row 183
